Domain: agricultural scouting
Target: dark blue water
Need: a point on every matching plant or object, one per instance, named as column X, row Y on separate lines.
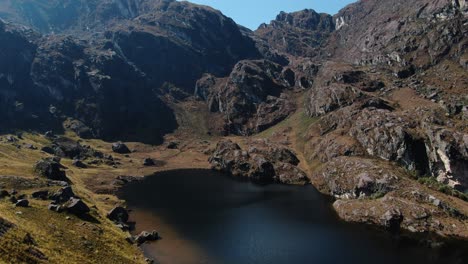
column 237, row 222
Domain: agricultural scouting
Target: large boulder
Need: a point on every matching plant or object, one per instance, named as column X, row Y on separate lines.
column 118, row 214
column 22, row 203
column 120, row 148
column 76, row 206
column 51, row 169
column 42, row 195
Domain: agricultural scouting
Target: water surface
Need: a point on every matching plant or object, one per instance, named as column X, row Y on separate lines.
column 206, row 217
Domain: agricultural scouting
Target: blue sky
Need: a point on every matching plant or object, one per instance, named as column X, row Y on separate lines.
column 251, row 13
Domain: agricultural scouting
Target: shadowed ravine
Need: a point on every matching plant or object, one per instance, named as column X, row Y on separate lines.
column 205, row 217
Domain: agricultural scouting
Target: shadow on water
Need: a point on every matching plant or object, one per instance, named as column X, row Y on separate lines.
column 240, row 222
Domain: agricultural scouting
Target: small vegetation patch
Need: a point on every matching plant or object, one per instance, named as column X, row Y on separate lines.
column 432, row 183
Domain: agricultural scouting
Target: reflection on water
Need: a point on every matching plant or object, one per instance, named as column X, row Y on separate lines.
column 205, row 217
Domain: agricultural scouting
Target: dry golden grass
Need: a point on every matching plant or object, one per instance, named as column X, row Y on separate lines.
column 60, row 240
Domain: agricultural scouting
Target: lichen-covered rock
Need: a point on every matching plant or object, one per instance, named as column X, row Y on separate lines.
column 263, row 162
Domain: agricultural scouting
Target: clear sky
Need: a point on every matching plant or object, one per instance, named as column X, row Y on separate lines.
column 251, row 13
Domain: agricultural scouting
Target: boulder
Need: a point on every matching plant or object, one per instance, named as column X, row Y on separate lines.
column 145, row 236
column 63, row 195
column 149, row 162
column 22, row 203
column 48, row 149
column 51, row 169
column 4, row 193
column 42, row 195
column 76, row 206
column 79, row 164
column 120, row 148
column 118, row 214
column 172, row 145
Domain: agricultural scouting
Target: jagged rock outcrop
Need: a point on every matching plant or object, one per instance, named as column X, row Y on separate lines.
column 323, row 100
column 379, row 193
column 391, row 137
column 252, row 98
column 300, row 33
column 263, row 162
column 51, row 169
